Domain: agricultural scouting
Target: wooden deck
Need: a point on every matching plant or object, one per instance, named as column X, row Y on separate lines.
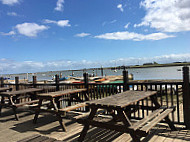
column 12, row 130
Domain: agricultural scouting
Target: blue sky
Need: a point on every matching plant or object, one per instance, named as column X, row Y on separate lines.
column 41, row 35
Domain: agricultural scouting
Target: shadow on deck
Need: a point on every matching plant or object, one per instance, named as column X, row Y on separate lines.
column 12, row 130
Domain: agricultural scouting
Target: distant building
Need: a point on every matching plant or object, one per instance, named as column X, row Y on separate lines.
column 148, row 64
column 176, row 62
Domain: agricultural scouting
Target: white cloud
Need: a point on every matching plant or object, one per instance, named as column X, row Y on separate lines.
column 30, row 29
column 127, row 25
column 12, row 14
column 59, row 5
column 82, row 35
column 113, row 21
column 166, row 15
column 9, row 2
column 10, row 66
column 9, row 33
column 120, row 6
column 108, row 22
column 61, row 23
column 133, row 36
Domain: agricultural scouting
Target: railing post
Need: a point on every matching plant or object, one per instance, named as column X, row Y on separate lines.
column 125, row 80
column 17, row 82
column 102, row 71
column 2, row 82
column 57, row 82
column 86, row 85
column 34, row 81
column 186, row 97
column 85, row 75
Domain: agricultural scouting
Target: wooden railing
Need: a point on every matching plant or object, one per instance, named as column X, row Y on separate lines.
column 168, row 93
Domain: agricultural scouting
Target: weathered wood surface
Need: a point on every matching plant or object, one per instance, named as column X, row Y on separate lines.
column 14, row 103
column 122, row 100
column 26, row 103
column 74, row 107
column 157, row 120
column 60, row 93
column 53, row 97
column 119, row 102
column 4, row 89
column 146, row 119
column 19, row 92
column 13, row 131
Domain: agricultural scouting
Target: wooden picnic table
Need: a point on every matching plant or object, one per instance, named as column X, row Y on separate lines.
column 118, row 107
column 54, row 107
column 14, row 96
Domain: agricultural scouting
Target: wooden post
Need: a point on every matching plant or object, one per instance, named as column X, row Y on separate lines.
column 2, row 82
column 17, row 82
column 102, row 71
column 34, row 81
column 57, row 82
column 125, row 80
column 186, row 97
column 85, row 75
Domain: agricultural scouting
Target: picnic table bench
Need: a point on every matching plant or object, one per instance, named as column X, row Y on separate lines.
column 14, row 96
column 118, row 107
column 54, row 107
column 2, row 89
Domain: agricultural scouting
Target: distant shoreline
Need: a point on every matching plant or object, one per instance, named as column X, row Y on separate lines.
column 149, row 66
column 160, row 65
column 117, row 67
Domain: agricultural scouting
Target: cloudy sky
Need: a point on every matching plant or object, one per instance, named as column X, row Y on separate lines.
column 41, row 35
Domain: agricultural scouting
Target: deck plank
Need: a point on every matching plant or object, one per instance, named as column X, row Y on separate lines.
column 13, row 131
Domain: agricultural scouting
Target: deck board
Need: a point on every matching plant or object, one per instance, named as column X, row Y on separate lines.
column 13, row 131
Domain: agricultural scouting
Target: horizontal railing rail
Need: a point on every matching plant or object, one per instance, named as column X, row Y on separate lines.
column 168, row 94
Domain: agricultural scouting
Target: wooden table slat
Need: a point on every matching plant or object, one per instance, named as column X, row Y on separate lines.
column 61, row 93
column 123, row 99
column 12, row 93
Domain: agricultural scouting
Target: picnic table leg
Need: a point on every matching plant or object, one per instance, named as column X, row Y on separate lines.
column 62, row 124
column 33, row 95
column 15, row 113
column 171, row 125
column 57, row 102
column 168, row 121
column 86, row 125
column 123, row 117
column 128, row 111
column 2, row 103
column 37, row 111
column 58, row 115
column 13, row 107
column 112, row 113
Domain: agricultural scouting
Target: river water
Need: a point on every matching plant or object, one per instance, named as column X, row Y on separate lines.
column 174, row 72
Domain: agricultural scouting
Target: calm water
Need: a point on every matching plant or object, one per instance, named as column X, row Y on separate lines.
column 138, row 74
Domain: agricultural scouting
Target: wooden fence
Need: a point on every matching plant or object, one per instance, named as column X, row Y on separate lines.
column 168, row 93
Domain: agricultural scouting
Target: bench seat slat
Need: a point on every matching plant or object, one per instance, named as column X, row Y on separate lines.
column 69, row 108
column 85, row 115
column 146, row 119
column 26, row 103
column 39, row 139
column 81, row 116
column 29, row 138
column 156, row 120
